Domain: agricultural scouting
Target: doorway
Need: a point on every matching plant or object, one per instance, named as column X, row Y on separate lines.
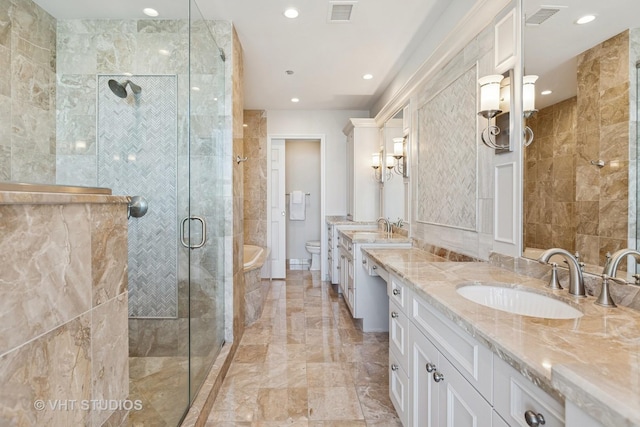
column 295, row 163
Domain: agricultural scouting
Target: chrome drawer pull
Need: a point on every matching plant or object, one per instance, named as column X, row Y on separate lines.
column 533, row 419
column 431, row 367
column 394, row 367
column 396, row 291
column 437, row 376
column 394, row 314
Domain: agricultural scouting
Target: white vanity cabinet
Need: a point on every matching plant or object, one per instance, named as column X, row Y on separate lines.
column 333, row 246
column 515, row 395
column 363, row 192
column 363, row 289
column 441, row 376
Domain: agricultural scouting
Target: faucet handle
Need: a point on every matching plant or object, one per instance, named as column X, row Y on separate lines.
column 604, row 299
column 554, row 282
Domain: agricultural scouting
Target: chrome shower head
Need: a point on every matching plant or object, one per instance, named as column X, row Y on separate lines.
column 120, row 89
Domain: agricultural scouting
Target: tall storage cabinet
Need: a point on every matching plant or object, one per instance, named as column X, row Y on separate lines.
column 363, row 191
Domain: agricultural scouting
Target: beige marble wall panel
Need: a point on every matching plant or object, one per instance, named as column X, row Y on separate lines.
column 55, row 367
column 47, row 269
column 109, row 355
column 255, row 178
column 27, row 78
column 109, row 252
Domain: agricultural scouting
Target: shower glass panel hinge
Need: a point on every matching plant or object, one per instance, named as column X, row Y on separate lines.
column 203, row 238
column 222, row 55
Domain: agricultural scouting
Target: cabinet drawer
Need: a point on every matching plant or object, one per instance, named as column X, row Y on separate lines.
column 374, row 269
column 397, row 292
column 399, row 335
column 514, row 395
column 399, row 389
column 472, row 359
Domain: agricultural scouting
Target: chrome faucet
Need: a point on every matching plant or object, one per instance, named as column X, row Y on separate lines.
column 611, row 268
column 387, row 225
column 576, row 280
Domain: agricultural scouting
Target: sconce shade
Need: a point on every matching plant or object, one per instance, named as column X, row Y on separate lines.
column 390, row 162
column 529, row 92
column 398, row 147
column 375, row 160
column 505, row 95
column 490, row 92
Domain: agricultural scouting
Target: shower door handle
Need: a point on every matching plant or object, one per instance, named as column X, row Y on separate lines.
column 204, row 232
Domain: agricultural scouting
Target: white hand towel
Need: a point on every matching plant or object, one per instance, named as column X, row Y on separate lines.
column 297, row 206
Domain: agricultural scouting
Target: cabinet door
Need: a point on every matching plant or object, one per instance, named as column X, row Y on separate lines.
column 399, row 334
column 459, row 404
column 423, row 359
column 342, row 275
column 350, row 286
column 515, row 395
column 399, row 389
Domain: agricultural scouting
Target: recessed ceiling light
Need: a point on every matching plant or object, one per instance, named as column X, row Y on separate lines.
column 244, row 125
column 585, row 19
column 546, row 92
column 291, row 13
column 164, row 52
column 150, row 12
column 195, row 89
column 295, row 100
column 367, row 76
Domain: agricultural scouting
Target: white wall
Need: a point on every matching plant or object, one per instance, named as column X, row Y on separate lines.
column 433, row 37
column 297, row 123
column 303, row 173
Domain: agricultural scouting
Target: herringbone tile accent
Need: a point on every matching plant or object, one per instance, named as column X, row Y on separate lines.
column 447, row 175
column 137, row 155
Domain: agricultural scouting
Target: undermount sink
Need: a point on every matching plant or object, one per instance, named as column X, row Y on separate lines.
column 519, row 301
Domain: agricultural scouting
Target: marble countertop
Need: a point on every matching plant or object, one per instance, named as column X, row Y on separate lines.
column 343, row 220
column 36, row 198
column 364, row 236
column 593, row 361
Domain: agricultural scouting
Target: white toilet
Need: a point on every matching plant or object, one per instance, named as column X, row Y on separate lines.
column 313, row 247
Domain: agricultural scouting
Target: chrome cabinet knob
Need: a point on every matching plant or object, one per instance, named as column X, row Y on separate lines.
column 534, row 420
column 394, row 367
column 396, row 291
column 375, row 267
column 364, row 261
column 394, row 314
column 437, row 376
column 431, row 367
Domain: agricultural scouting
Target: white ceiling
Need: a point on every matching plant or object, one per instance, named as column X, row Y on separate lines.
column 328, row 59
column 551, row 48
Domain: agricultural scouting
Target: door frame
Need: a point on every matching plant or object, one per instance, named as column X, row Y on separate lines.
column 323, row 230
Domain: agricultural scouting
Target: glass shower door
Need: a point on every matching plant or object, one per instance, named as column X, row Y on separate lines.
column 208, row 131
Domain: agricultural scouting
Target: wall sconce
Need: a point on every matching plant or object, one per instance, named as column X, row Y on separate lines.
column 529, row 105
column 376, row 164
column 398, row 160
column 490, row 108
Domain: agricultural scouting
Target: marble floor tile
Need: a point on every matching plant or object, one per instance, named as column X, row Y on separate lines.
column 306, row 363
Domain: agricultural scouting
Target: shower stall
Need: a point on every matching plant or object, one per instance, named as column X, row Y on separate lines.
column 142, row 109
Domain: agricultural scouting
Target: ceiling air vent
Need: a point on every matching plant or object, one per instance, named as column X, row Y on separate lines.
column 341, row 11
column 542, row 15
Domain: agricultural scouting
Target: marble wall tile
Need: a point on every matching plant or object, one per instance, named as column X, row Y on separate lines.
column 47, row 269
column 255, row 178
column 54, row 367
column 27, row 78
column 76, row 170
column 109, row 358
column 108, row 252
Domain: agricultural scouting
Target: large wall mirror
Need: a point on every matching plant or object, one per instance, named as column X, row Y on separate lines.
column 579, row 178
column 394, row 189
